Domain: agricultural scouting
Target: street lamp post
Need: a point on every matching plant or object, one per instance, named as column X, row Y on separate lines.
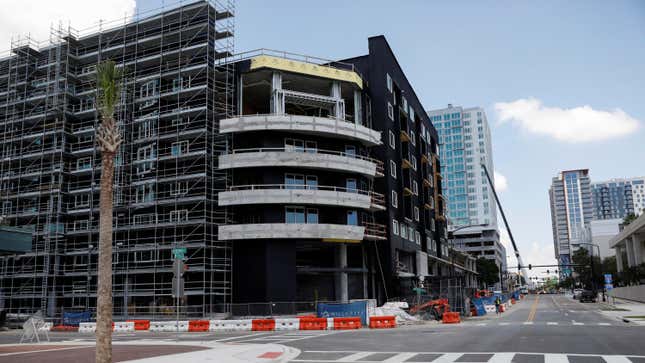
column 452, row 245
column 593, row 282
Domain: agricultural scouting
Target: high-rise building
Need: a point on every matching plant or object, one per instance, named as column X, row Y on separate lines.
column 571, row 211
column 464, row 145
column 616, row 198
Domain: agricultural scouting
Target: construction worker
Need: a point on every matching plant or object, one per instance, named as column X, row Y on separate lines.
column 498, row 302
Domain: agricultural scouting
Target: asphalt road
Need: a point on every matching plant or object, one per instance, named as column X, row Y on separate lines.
column 544, row 328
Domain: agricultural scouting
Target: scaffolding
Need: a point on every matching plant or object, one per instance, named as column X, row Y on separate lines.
column 166, row 179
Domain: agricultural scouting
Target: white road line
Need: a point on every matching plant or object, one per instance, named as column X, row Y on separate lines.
column 44, row 350
column 504, row 323
column 528, row 323
column 556, row 358
column 481, row 324
column 616, row 359
column 401, row 357
column 552, row 323
column 240, row 337
column 354, row 357
column 604, row 324
column 502, row 358
column 448, row 358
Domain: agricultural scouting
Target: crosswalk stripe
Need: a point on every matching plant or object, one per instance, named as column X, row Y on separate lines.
column 577, row 323
column 504, row 323
column 552, row 323
column 502, row 358
column 616, row 359
column 528, row 323
column 556, row 358
column 401, row 357
column 448, row 358
column 604, row 324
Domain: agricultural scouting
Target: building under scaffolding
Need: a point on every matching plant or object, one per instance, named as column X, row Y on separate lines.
column 166, row 178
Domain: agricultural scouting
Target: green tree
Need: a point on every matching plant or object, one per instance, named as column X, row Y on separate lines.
column 629, row 219
column 109, row 139
column 488, row 271
column 582, row 260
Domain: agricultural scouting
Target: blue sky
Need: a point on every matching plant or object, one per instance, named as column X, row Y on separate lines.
column 566, row 54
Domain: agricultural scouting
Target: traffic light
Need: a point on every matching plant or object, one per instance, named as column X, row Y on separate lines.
column 530, row 266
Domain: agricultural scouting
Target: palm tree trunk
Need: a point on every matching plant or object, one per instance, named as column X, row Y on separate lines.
column 104, row 297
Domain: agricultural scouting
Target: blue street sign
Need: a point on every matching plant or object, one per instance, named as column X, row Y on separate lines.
column 609, row 287
column 608, row 279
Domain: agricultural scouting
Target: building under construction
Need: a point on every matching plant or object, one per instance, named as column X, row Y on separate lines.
column 287, row 178
column 166, row 178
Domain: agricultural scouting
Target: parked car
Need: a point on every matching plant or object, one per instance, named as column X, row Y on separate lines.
column 588, row 296
column 576, row 293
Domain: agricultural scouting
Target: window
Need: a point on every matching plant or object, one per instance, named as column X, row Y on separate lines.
column 404, row 104
column 294, row 145
column 150, row 88
column 411, row 232
column 180, row 121
column 417, row 237
column 148, row 255
column 412, row 114
column 179, row 148
column 147, row 218
column 311, row 182
column 350, row 151
column 413, row 138
column 350, row 185
column 146, row 129
column 393, row 169
column 390, row 111
column 404, row 231
column 392, row 140
column 352, row 218
column 179, row 188
column 81, row 225
column 179, row 215
column 416, row 214
column 312, row 216
column 395, row 199
column 84, row 163
column 414, row 162
column 82, row 200
column 145, row 153
column 395, row 227
column 294, row 181
column 295, row 215
column 388, row 80
column 415, row 187
column 144, row 193
column 7, row 206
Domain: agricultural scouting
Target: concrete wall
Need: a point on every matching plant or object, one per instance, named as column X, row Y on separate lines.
column 635, row 293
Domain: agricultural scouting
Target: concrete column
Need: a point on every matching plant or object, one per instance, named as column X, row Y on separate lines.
column 277, row 105
column 339, row 110
column 637, row 244
column 358, row 109
column 341, row 288
column 629, row 246
column 619, row 258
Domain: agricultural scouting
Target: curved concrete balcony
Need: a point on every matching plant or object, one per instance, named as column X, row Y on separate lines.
column 324, row 126
column 328, row 232
column 301, row 194
column 302, row 158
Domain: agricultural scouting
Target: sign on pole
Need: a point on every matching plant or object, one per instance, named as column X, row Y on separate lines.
column 609, row 285
column 179, row 253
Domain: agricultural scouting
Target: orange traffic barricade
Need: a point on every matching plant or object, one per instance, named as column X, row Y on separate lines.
column 198, row 325
column 312, row 323
column 263, row 325
column 382, row 322
column 347, row 323
column 140, row 324
column 451, row 318
column 502, row 308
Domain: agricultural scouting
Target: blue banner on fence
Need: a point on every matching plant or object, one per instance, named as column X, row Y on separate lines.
column 75, row 318
column 479, row 306
column 357, row 308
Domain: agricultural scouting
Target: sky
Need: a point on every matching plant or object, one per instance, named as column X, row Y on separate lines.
column 562, row 82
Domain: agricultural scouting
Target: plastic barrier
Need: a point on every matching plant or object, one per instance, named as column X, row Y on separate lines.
column 198, row 325
column 312, row 323
column 287, row 324
column 123, row 326
column 382, row 322
column 502, row 308
column 347, row 323
column 230, row 325
column 513, row 301
column 330, row 323
column 263, row 325
column 490, row 308
column 140, row 324
column 87, row 327
column 451, row 318
column 168, row 326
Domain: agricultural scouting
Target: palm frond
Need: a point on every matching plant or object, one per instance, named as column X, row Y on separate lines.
column 108, row 81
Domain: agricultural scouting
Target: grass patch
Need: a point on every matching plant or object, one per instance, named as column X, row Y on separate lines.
column 634, row 316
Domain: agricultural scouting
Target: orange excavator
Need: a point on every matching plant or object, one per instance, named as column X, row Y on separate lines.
column 431, row 309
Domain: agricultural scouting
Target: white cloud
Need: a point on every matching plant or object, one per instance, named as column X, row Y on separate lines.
column 34, row 17
column 501, row 184
column 540, row 254
column 578, row 124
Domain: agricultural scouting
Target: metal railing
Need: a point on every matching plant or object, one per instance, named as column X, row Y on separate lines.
column 376, row 198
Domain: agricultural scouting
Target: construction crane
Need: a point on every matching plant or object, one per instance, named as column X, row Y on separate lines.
column 508, row 228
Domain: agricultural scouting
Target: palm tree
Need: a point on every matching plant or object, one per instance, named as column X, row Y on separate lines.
column 109, row 91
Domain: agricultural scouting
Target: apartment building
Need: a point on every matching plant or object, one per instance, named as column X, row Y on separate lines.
column 166, row 178
column 571, row 211
column 617, row 198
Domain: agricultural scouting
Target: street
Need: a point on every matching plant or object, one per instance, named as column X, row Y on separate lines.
column 542, row 328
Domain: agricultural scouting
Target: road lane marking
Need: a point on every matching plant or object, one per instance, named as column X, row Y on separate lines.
column 401, row 357
column 448, row 358
column 241, row 337
column 576, row 323
column 556, row 358
column 616, row 359
column 528, row 323
column 504, row 323
column 502, row 358
column 356, row 356
column 552, row 323
column 533, row 309
column 604, row 324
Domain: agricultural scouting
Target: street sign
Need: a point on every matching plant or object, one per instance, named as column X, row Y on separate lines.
column 179, row 253
column 608, row 279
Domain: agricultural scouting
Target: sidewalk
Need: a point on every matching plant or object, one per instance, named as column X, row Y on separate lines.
column 625, row 310
column 149, row 350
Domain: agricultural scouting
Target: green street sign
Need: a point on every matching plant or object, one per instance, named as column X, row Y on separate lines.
column 178, row 253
